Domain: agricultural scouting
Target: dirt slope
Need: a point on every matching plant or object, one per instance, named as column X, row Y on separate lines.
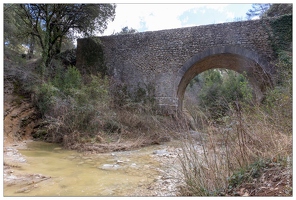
column 19, row 116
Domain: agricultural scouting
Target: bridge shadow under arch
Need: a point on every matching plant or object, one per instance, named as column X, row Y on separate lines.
column 256, row 68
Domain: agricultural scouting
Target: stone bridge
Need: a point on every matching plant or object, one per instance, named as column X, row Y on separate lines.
column 169, row 59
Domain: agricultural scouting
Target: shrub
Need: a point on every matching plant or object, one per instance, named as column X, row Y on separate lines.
column 67, row 80
column 139, row 99
column 221, row 88
column 45, row 94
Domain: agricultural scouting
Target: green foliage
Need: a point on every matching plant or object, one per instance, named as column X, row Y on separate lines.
column 195, row 80
column 284, row 69
column 67, row 81
column 14, row 29
column 140, row 94
column 45, row 94
column 144, row 95
column 85, row 102
column 281, row 32
column 276, row 10
column 92, row 53
column 126, row 30
column 111, row 126
column 236, row 87
column 246, row 174
column 70, row 104
column 279, row 100
column 51, row 24
column 96, row 92
column 72, row 78
column 221, row 88
column 122, row 97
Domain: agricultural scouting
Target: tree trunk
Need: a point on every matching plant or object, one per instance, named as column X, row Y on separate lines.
column 31, row 47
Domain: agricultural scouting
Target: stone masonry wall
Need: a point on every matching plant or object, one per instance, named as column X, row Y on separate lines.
column 156, row 57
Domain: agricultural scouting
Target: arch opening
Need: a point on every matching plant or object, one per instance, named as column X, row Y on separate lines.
column 255, row 73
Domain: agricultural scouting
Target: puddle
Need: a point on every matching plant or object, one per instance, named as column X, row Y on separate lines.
column 75, row 174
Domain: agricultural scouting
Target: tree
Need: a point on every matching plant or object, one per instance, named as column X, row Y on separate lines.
column 50, row 24
column 126, row 30
column 279, row 9
column 219, row 88
column 257, row 10
column 13, row 29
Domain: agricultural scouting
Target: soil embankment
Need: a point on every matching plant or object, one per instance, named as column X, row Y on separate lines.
column 19, row 122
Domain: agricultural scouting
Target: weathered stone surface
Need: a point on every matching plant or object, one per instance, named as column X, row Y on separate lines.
column 169, row 59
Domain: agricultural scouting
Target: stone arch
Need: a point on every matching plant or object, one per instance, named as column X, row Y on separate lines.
column 241, row 60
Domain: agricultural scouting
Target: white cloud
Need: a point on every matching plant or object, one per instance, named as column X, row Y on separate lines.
column 221, row 8
column 155, row 16
column 151, row 17
column 185, row 20
column 230, row 15
column 217, row 7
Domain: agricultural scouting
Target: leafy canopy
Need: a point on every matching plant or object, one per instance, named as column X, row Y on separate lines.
column 51, row 23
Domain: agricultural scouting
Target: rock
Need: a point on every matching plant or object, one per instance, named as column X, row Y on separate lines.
column 119, row 161
column 109, row 167
column 133, row 165
column 160, row 152
column 22, row 190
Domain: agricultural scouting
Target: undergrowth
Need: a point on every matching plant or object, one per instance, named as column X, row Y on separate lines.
column 235, row 148
column 79, row 111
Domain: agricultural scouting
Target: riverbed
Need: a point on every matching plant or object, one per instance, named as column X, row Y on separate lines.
column 58, row 172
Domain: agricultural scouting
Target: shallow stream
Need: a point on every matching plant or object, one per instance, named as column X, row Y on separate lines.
column 75, row 174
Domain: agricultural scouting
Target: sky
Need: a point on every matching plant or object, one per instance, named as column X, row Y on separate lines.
column 155, row 16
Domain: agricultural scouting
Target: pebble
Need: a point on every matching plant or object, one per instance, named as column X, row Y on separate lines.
column 160, row 152
column 133, row 165
column 109, row 167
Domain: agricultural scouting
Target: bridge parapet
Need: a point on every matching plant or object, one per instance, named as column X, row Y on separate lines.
column 169, row 59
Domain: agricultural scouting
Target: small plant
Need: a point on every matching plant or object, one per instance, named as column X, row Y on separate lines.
column 45, row 95
column 246, row 174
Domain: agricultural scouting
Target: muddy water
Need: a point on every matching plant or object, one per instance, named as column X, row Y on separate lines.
column 75, row 174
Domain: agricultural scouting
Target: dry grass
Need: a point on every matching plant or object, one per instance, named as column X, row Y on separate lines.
column 113, row 129
column 247, row 137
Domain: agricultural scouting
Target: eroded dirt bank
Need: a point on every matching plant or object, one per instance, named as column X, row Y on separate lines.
column 19, row 122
